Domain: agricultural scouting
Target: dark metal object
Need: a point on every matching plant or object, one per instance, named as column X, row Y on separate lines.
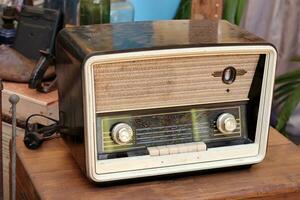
column 13, row 99
column 8, row 17
column 239, row 72
column 36, row 31
column 35, row 39
column 40, row 69
column 229, row 75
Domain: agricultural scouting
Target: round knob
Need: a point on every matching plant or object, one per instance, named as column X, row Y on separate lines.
column 226, row 123
column 122, row 133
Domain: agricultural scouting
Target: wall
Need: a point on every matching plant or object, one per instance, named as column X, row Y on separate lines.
column 146, row 10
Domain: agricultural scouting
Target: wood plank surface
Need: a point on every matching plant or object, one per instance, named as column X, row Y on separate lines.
column 51, row 173
column 207, row 9
column 23, row 91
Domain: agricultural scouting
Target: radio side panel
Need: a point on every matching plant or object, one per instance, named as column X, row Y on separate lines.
column 68, row 70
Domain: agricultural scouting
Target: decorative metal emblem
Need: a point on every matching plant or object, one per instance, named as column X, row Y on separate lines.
column 229, row 74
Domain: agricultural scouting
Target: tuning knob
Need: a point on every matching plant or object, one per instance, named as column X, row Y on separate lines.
column 226, row 123
column 122, row 133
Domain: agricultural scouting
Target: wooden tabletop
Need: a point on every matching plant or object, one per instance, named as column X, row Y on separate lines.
column 23, row 91
column 51, row 173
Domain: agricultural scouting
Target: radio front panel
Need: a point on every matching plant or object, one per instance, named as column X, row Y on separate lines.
column 176, row 111
column 167, row 128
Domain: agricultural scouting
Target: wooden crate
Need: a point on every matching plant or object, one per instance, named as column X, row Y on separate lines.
column 31, row 102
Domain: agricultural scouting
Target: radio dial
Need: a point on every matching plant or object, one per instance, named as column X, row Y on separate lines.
column 122, row 133
column 226, row 123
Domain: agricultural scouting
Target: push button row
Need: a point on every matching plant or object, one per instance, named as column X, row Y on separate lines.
column 177, row 148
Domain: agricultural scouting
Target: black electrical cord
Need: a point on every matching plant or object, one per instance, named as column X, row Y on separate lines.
column 34, row 136
column 46, row 130
column 39, row 115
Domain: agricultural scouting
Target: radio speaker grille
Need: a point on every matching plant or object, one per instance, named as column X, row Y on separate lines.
column 167, row 82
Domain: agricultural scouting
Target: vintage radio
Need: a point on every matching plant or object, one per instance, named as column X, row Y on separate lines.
column 155, row 98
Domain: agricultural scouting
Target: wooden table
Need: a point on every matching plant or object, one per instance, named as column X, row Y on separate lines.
column 51, row 173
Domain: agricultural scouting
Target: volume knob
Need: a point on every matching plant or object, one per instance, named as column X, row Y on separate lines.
column 122, row 133
column 226, row 123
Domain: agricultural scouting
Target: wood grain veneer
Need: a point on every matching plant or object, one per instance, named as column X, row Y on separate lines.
column 167, row 82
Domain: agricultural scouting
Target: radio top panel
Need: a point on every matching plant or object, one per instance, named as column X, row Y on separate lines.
column 86, row 41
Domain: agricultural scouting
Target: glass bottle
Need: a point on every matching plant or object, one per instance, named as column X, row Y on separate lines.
column 94, row 12
column 121, row 11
